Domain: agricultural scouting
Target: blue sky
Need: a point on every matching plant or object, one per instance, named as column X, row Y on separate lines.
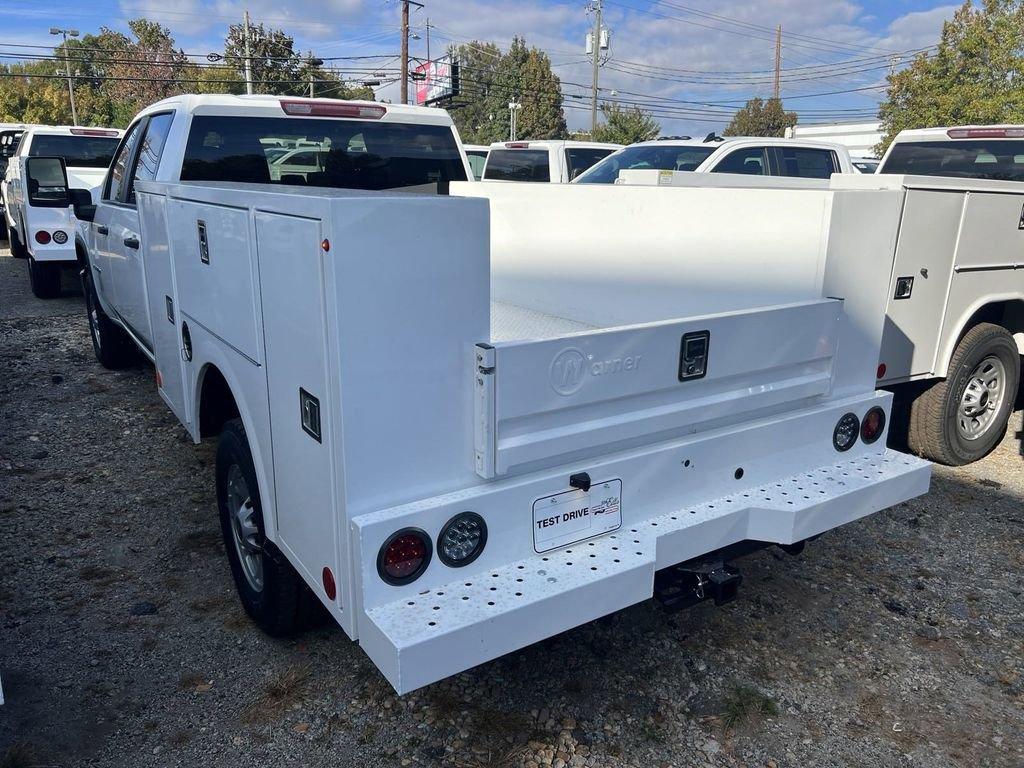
column 689, row 61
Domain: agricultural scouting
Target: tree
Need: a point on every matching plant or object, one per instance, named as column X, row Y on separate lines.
column 490, row 80
column 626, row 126
column 973, row 77
column 761, row 117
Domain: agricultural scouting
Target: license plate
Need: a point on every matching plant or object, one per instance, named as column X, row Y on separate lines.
column 572, row 516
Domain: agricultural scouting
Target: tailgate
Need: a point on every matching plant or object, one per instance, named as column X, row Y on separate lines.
column 538, row 403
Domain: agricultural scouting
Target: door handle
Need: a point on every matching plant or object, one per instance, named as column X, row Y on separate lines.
column 131, row 242
column 101, row 230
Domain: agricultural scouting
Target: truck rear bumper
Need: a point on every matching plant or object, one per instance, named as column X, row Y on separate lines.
column 417, row 640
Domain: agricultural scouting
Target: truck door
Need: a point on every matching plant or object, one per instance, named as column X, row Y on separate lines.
column 127, row 264
column 103, row 254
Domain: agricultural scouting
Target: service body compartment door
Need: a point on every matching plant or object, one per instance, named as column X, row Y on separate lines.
column 294, row 312
column 164, row 312
column 920, row 282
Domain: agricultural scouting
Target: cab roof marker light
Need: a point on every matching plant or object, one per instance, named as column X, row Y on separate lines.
column 517, row 145
column 93, row 132
column 333, row 109
column 985, row 133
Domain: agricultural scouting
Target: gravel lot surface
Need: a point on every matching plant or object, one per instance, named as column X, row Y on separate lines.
column 895, row 641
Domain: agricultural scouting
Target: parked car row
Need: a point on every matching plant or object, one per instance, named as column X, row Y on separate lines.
column 598, row 392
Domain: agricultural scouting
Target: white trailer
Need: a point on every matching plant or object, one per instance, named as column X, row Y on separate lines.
column 454, row 466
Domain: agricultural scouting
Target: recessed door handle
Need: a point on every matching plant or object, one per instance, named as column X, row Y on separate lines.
column 101, row 230
column 131, row 242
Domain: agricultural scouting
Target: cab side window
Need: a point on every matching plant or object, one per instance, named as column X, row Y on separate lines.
column 752, row 161
column 150, row 150
column 118, row 177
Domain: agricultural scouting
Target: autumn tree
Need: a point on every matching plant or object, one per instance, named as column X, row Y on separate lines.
column 761, row 117
column 626, row 125
column 974, row 76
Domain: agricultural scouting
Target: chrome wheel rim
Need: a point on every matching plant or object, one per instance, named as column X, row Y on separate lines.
column 982, row 399
column 244, row 532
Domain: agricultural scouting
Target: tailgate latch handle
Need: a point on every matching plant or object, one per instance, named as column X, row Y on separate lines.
column 580, row 480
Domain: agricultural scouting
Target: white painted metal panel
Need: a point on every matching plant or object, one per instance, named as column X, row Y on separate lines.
column 216, row 283
column 292, row 286
column 603, row 390
column 992, row 235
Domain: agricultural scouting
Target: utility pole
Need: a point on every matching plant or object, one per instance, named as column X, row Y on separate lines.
column 313, row 63
column 428, row 40
column 597, row 64
column 67, row 67
column 405, row 52
column 778, row 63
column 248, row 65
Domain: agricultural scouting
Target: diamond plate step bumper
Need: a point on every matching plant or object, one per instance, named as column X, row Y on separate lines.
column 427, row 637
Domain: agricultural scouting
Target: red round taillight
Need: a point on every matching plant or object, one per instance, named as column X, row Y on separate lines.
column 42, row 237
column 404, row 556
column 330, row 588
column 881, row 371
column 872, row 426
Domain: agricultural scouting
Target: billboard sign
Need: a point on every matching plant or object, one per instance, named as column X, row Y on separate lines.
column 436, row 81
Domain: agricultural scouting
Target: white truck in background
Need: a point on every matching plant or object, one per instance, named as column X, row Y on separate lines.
column 413, row 434
column 549, row 161
column 38, row 211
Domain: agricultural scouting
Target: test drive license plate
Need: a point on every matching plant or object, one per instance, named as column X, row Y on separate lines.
column 572, row 516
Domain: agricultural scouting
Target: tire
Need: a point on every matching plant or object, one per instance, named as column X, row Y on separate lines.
column 113, row 347
column 44, row 276
column 963, row 418
column 272, row 593
column 18, row 250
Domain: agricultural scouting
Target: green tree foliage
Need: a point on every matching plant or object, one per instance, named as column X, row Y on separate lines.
column 973, row 77
column 491, row 79
column 761, row 117
column 626, row 126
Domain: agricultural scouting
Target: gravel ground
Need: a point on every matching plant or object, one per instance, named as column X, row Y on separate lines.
column 895, row 641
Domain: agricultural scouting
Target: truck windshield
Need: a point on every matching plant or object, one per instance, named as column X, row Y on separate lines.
column 646, row 157
column 518, row 165
column 970, row 159
column 344, row 154
column 8, row 146
column 77, row 151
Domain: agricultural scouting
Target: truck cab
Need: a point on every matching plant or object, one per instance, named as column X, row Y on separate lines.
column 716, row 154
column 543, row 161
column 223, row 138
column 39, row 215
column 965, row 152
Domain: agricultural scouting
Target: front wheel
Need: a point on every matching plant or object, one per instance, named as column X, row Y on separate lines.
column 44, row 276
column 272, row 593
column 113, row 347
column 963, row 418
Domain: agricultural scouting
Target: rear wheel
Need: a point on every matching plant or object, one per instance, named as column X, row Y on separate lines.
column 961, row 419
column 272, row 593
column 44, row 277
column 113, row 347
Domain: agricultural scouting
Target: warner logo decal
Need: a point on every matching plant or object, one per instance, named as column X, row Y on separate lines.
column 571, row 368
column 569, row 517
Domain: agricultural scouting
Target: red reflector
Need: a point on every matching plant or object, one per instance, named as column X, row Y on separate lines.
column 159, row 380
column 517, row 144
column 325, row 245
column 330, row 588
column 333, row 109
column 42, row 237
column 404, row 556
column 881, row 371
column 985, row 133
column 872, row 425
column 93, row 132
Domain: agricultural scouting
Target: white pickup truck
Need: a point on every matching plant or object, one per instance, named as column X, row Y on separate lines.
column 41, row 224
column 550, row 161
column 414, row 436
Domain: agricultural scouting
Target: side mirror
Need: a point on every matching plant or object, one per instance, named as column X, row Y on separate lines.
column 81, row 200
column 47, row 182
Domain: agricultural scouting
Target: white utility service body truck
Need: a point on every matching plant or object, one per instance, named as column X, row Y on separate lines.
column 954, row 313
column 548, row 161
column 40, row 219
column 451, row 465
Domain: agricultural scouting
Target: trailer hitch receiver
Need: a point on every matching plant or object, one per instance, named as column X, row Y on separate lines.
column 683, row 586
